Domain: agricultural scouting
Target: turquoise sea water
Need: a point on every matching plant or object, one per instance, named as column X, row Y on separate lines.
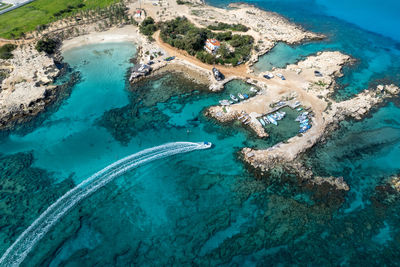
column 203, row 208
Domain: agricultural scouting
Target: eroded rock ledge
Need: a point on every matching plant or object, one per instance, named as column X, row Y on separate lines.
column 28, row 86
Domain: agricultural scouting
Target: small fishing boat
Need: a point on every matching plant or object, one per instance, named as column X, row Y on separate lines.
column 234, row 98
column 254, row 90
column 262, row 122
column 245, row 96
column 271, row 119
column 299, row 109
column 241, row 96
column 304, row 129
column 224, row 102
column 241, row 117
column 266, row 120
column 217, row 74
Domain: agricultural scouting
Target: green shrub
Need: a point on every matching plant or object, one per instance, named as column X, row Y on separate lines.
column 182, row 34
column 46, row 45
column 5, row 51
column 221, row 26
column 148, row 26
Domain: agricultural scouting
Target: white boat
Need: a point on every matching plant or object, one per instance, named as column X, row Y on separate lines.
column 234, row 98
column 224, row 102
column 254, row 90
column 241, row 117
column 272, row 120
column 241, row 96
column 266, row 120
column 206, row 144
column 280, row 75
column 262, row 122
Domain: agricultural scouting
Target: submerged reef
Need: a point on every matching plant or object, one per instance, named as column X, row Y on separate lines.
column 25, row 192
column 142, row 113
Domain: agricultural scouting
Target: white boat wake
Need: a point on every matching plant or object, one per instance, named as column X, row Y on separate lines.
column 18, row 251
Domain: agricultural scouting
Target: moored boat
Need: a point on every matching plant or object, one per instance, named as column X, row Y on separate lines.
column 272, row 120
column 224, row 102
column 234, row 98
column 262, row 121
column 241, row 96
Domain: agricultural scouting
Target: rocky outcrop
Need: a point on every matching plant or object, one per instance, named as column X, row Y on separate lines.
column 28, row 86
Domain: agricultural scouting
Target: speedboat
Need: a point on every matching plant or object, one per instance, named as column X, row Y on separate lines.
column 245, row 96
column 254, row 90
column 224, row 102
column 241, row 96
column 268, row 76
column 262, row 122
column 266, row 120
column 234, row 98
column 205, row 144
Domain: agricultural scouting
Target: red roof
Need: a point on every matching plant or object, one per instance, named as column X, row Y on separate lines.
column 214, row 42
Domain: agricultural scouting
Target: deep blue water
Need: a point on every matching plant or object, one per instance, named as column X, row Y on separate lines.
column 204, row 208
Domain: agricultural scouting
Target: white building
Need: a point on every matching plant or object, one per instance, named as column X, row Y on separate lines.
column 212, row 45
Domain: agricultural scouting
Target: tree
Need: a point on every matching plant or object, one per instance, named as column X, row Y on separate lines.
column 148, row 26
column 46, row 45
column 5, row 51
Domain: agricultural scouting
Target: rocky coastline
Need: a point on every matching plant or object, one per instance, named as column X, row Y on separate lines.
column 28, row 87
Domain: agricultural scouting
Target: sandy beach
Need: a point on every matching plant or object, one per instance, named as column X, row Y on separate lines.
column 124, row 34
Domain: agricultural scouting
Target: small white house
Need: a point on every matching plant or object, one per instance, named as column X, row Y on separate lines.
column 212, row 46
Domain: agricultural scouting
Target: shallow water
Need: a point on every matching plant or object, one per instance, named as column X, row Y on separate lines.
column 204, row 207
column 100, row 122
